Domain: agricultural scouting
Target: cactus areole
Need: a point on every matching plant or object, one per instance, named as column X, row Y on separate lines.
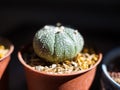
column 57, row 43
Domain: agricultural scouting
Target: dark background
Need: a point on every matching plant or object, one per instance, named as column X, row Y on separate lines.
column 97, row 20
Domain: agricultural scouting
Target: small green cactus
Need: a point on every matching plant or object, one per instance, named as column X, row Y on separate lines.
column 57, row 43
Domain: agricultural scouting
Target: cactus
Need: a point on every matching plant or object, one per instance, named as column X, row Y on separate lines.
column 57, row 43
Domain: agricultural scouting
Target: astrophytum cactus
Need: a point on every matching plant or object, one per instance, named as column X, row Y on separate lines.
column 57, row 43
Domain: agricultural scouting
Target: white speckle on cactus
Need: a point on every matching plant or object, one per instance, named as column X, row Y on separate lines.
column 62, row 27
column 76, row 31
column 46, row 27
column 59, row 29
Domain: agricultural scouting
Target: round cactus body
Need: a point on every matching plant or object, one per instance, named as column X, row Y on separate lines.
column 56, row 44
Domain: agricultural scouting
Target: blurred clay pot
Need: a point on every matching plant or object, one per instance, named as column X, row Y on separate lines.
column 36, row 80
column 6, row 59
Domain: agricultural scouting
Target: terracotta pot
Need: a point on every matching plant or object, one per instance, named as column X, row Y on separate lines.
column 42, row 81
column 5, row 60
column 4, row 85
column 4, row 63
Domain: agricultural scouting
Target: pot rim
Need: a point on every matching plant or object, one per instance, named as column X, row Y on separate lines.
column 20, row 58
column 11, row 48
column 110, row 57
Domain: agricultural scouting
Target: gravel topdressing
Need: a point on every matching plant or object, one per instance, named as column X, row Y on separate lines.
column 84, row 60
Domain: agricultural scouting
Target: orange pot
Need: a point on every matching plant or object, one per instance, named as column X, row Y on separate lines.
column 4, row 63
column 36, row 80
column 5, row 60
